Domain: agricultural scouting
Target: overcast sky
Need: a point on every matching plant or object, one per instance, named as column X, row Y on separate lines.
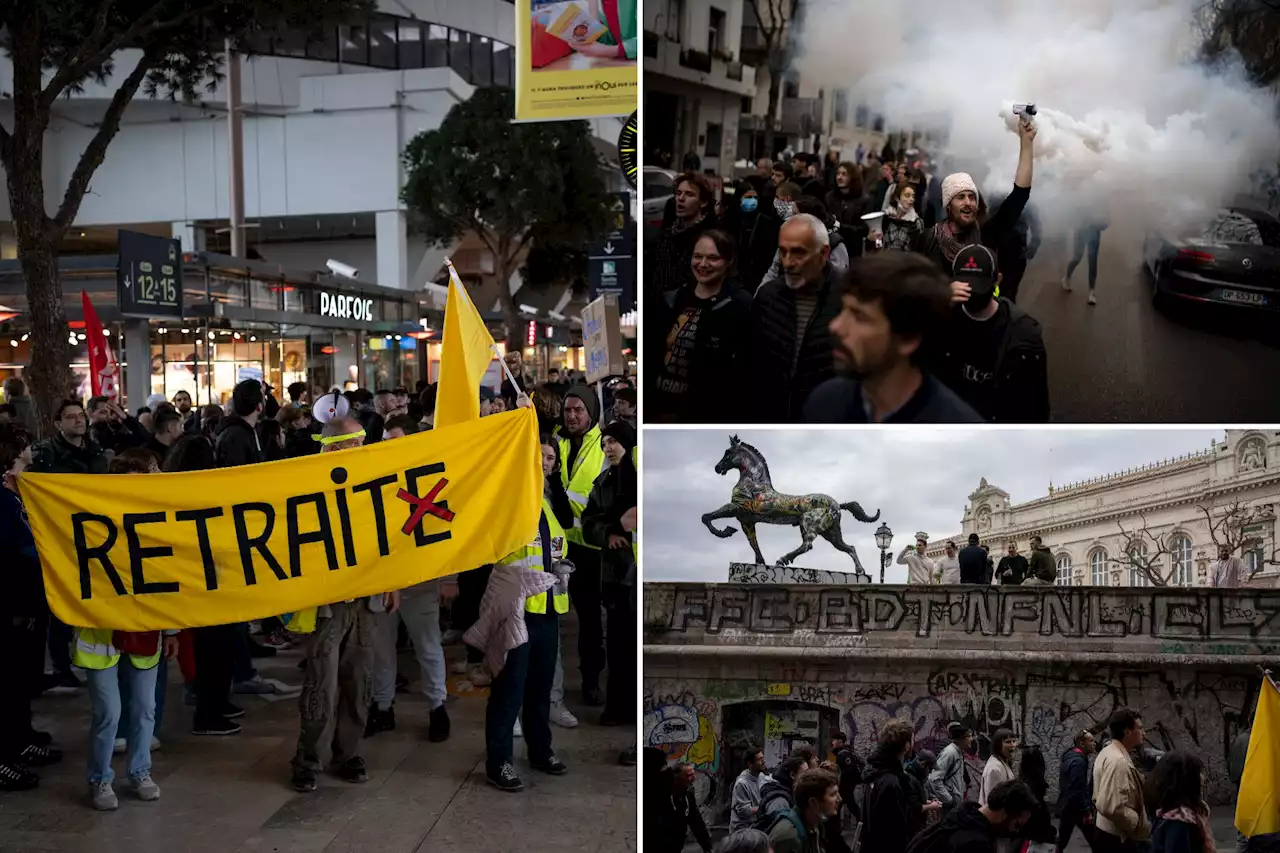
column 920, row 479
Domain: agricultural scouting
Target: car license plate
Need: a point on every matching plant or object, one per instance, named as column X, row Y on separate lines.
column 1243, row 297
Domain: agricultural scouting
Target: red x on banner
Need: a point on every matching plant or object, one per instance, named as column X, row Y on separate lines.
column 423, row 505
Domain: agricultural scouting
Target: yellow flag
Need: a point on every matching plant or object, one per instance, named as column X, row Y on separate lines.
column 465, row 352
column 147, row 552
column 1258, row 806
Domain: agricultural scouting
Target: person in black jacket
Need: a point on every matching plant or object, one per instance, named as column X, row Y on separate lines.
column 848, row 203
column 1031, row 770
column 887, row 822
column 692, row 213
column 24, row 620
column 776, row 793
column 698, row 338
column 973, row 561
column 893, row 303
column 238, row 441
column 616, row 492
column 972, row 828
column 112, row 428
column 1017, row 246
column 754, row 226
column 991, row 352
column 1075, row 791
column 965, row 221
column 790, row 341
column 1174, row 796
column 677, row 812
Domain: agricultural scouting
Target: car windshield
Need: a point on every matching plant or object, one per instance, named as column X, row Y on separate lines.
column 1235, row 226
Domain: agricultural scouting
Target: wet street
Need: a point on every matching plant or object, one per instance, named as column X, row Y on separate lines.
column 1122, row 361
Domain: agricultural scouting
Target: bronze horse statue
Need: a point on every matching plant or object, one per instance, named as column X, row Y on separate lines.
column 755, row 501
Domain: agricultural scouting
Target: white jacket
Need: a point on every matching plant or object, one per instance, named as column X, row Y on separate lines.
column 995, row 773
column 949, row 568
column 920, row 570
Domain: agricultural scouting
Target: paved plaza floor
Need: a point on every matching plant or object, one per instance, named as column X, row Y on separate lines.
column 232, row 794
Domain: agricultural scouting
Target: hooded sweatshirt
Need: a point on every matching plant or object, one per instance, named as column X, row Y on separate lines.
column 964, row 830
column 886, row 819
column 775, row 794
column 615, row 492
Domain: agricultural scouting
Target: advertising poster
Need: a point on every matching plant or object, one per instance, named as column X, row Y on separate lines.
column 576, row 58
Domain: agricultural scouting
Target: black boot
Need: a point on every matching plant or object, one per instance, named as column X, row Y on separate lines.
column 439, row 725
column 379, row 721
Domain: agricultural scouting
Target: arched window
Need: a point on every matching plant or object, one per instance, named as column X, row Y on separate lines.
column 1180, row 557
column 1137, row 558
column 1098, row 567
column 1064, row 570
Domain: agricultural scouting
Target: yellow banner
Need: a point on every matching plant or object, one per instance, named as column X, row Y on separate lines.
column 576, row 59
column 146, row 552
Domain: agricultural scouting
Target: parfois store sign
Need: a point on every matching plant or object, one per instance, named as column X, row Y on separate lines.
column 345, row 307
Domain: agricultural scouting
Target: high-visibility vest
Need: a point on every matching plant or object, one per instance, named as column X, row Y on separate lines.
column 93, row 650
column 589, row 465
column 530, row 557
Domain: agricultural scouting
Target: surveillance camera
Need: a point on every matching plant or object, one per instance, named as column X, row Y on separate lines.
column 341, row 269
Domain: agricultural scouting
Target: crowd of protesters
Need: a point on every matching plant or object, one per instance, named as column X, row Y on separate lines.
column 1124, row 797
column 589, row 460
column 845, row 292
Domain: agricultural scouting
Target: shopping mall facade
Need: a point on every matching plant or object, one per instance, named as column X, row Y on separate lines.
column 324, row 125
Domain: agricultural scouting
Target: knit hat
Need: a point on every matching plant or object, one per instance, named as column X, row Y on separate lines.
column 953, row 185
column 621, row 432
column 588, row 398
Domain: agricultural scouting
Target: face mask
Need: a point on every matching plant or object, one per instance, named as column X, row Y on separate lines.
column 784, row 209
column 749, row 204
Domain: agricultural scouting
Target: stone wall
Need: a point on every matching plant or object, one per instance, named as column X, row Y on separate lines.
column 1045, row 662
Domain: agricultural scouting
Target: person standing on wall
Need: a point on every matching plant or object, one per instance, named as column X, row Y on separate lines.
column 973, row 561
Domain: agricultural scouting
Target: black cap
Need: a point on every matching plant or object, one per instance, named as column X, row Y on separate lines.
column 976, row 266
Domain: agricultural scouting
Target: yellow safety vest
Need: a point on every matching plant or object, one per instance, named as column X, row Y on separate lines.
column 589, row 465
column 530, row 557
column 93, row 650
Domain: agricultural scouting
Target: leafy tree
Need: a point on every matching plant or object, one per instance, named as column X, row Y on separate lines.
column 56, row 47
column 516, row 186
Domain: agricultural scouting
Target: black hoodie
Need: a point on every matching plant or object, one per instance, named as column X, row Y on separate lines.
column 963, row 830
column 886, row 820
column 238, row 443
column 776, row 794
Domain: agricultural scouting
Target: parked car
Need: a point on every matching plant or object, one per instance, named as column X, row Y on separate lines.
column 655, row 191
column 1234, row 262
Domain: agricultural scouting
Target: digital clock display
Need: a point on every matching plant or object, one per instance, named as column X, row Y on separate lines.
column 149, row 275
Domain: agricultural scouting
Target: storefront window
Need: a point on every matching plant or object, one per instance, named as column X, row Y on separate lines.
column 297, row 299
column 229, row 290
column 264, row 294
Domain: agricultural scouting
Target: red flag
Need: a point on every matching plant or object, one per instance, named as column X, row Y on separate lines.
column 104, row 375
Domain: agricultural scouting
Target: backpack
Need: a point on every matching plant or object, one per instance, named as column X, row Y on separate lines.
column 765, row 819
column 766, row 826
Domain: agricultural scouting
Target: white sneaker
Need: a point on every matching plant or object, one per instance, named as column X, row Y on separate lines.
column 517, row 731
column 103, row 797
column 563, row 717
column 155, row 744
column 1066, row 284
column 1093, row 299
column 120, row 747
column 459, row 667
column 145, row 788
column 478, row 675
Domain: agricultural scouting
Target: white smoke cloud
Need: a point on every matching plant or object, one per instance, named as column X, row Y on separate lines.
column 1129, row 123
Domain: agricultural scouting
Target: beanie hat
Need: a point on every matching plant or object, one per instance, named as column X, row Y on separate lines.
column 621, row 432
column 953, row 185
column 588, row 398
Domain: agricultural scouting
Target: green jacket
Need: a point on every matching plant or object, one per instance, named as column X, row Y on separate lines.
column 58, row 456
column 785, row 838
column 628, row 22
column 1040, row 565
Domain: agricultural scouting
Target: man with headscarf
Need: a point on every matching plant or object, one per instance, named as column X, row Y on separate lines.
column 964, row 210
column 582, row 460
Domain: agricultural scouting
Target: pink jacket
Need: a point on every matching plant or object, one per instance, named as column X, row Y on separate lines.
column 501, row 627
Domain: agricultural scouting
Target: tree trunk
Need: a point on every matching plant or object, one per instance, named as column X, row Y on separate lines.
column 776, row 71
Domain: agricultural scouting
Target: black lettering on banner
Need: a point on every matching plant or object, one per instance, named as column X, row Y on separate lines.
column 297, row 538
column 374, row 488
column 201, row 518
column 339, row 476
column 137, row 553
column 84, row 553
column 411, row 478
column 259, row 543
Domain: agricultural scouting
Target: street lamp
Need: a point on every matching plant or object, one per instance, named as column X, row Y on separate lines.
column 884, row 538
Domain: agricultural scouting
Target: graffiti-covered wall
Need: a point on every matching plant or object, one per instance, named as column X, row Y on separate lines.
column 1045, row 663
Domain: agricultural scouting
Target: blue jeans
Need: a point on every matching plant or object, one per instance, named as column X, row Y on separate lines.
column 523, row 689
column 136, row 723
column 162, row 678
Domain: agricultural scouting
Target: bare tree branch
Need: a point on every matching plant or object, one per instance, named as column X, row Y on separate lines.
column 1140, row 558
column 94, row 153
